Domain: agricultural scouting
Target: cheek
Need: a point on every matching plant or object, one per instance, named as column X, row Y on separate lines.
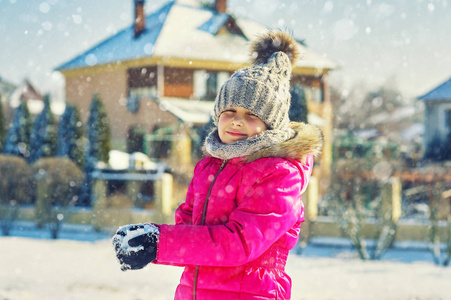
column 259, row 127
column 222, row 122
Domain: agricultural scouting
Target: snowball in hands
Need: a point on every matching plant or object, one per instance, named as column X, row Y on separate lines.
column 136, row 245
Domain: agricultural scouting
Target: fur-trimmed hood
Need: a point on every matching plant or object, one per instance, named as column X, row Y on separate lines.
column 308, row 140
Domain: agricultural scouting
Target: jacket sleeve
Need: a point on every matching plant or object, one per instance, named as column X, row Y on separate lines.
column 268, row 210
column 184, row 213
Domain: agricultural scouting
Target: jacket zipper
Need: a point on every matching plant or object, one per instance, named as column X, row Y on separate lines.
column 204, row 216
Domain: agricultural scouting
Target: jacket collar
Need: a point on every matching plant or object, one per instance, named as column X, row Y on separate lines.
column 308, row 140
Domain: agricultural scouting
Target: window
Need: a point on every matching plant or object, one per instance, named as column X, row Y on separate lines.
column 212, row 85
column 312, row 87
column 208, row 83
column 448, row 118
column 158, row 143
column 142, row 83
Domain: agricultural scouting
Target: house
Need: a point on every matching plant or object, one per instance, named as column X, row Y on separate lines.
column 437, row 122
column 25, row 91
column 166, row 68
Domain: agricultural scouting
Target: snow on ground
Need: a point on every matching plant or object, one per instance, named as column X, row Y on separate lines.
column 44, row 269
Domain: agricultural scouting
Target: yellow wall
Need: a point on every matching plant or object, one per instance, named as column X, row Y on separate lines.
column 111, row 84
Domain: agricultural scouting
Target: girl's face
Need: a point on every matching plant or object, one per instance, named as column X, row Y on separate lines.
column 237, row 123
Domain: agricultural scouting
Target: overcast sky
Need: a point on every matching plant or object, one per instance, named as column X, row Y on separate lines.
column 402, row 43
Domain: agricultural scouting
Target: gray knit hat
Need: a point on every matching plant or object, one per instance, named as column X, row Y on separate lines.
column 264, row 87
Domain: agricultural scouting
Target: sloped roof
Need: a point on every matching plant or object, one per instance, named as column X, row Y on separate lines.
column 215, row 23
column 178, row 30
column 24, row 92
column 27, row 92
column 440, row 93
column 123, row 46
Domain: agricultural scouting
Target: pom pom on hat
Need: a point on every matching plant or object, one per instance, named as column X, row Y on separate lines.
column 274, row 41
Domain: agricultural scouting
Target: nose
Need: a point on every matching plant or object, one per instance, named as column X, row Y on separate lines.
column 237, row 120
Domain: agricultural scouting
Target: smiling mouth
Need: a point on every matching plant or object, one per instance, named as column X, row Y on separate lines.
column 235, row 133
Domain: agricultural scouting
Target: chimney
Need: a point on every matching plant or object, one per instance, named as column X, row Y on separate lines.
column 140, row 19
column 221, row 6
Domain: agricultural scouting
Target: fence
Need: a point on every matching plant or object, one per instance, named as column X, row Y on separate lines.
column 395, row 205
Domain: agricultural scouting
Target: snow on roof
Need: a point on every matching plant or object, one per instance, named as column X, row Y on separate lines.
column 123, row 46
column 416, row 130
column 399, row 114
column 183, row 31
column 441, row 92
column 188, row 111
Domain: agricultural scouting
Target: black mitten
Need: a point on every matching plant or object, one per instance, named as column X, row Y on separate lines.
column 136, row 245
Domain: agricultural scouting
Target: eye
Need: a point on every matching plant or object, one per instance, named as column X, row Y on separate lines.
column 228, row 112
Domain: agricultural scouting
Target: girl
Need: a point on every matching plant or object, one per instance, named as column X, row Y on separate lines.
column 243, row 209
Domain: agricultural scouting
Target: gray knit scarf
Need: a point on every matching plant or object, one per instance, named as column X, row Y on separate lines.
column 240, row 148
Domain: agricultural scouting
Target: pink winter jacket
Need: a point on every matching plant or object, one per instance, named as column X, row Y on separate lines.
column 252, row 212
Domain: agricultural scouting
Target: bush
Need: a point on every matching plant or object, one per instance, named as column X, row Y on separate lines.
column 439, row 194
column 15, row 182
column 358, row 193
column 58, row 185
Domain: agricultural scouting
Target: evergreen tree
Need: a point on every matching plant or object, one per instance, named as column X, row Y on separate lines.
column 298, row 110
column 18, row 138
column 2, row 125
column 43, row 136
column 98, row 144
column 98, row 131
column 70, row 135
